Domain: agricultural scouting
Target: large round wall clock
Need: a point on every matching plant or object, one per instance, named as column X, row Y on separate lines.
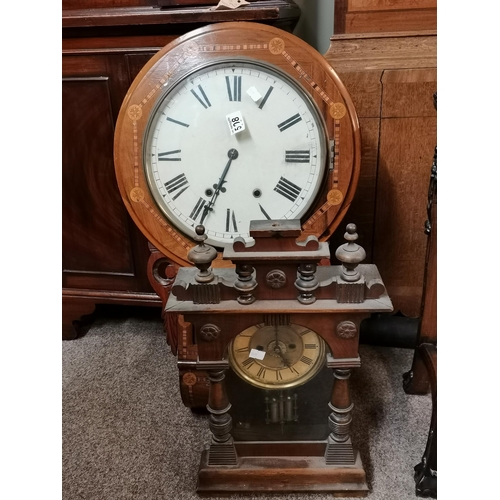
column 231, row 123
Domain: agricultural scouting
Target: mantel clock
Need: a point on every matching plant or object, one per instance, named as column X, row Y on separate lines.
column 277, row 336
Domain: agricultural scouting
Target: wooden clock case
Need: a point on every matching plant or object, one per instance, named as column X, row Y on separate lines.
column 212, row 44
column 170, row 247
column 218, row 304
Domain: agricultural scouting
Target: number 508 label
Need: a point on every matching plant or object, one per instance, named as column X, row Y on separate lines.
column 235, row 122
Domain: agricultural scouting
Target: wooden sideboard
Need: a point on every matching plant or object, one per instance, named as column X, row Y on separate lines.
column 105, row 43
column 392, row 78
column 377, row 16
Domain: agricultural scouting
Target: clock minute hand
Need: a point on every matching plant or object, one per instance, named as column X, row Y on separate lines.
column 232, row 155
column 277, row 348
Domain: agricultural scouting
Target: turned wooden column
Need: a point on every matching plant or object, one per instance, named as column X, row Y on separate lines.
column 222, row 450
column 339, row 449
column 306, row 283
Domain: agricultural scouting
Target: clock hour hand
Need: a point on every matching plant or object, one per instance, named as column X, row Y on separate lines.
column 277, row 348
column 232, row 155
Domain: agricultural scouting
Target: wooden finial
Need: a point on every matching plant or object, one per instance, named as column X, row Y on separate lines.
column 202, row 256
column 350, row 254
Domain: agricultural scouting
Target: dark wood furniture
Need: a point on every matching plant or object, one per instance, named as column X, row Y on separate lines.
column 416, row 381
column 183, row 3
column 422, row 376
column 105, row 44
column 391, row 78
column 376, row 16
column 426, row 469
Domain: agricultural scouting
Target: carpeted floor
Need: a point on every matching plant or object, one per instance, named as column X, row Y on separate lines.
column 127, row 435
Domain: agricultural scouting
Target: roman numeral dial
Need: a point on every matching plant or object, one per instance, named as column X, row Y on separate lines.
column 277, row 168
column 201, row 97
column 195, row 213
column 233, row 85
column 179, row 183
column 290, row 122
column 277, row 356
column 287, row 189
column 266, row 97
column 170, row 155
column 231, row 224
column 298, row 156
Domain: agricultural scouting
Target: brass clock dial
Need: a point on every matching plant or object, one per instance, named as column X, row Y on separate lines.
column 277, row 357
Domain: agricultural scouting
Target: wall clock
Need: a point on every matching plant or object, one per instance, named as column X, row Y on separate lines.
column 230, row 123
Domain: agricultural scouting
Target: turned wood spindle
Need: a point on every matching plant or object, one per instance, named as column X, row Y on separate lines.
column 350, row 254
column 218, row 406
column 339, row 421
column 306, row 283
column 222, row 450
column 245, row 284
column 202, row 256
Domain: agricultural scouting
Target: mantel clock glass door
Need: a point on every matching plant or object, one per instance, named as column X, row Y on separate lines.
column 281, row 385
column 230, row 123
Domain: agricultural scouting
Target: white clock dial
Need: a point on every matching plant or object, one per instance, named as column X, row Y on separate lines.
column 234, row 142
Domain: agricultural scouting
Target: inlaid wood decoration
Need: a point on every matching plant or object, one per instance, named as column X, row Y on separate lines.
column 231, row 123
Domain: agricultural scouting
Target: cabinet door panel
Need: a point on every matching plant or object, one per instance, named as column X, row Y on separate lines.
column 95, row 235
column 102, row 247
column 406, row 151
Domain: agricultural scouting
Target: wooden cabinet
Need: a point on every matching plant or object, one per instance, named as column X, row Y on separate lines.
column 377, row 16
column 105, row 44
column 391, row 79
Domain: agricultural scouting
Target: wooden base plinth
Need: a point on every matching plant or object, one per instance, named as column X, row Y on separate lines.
column 284, row 474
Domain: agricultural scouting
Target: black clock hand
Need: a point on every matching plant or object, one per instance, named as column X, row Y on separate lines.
column 232, row 155
column 277, row 348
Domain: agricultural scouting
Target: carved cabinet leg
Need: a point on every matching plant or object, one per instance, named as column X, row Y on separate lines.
column 339, row 450
column 416, row 380
column 426, row 470
column 222, row 450
column 75, row 313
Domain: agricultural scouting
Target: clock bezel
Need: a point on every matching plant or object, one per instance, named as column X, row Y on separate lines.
column 260, row 43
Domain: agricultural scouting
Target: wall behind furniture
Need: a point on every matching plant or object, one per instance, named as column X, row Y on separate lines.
column 315, row 25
